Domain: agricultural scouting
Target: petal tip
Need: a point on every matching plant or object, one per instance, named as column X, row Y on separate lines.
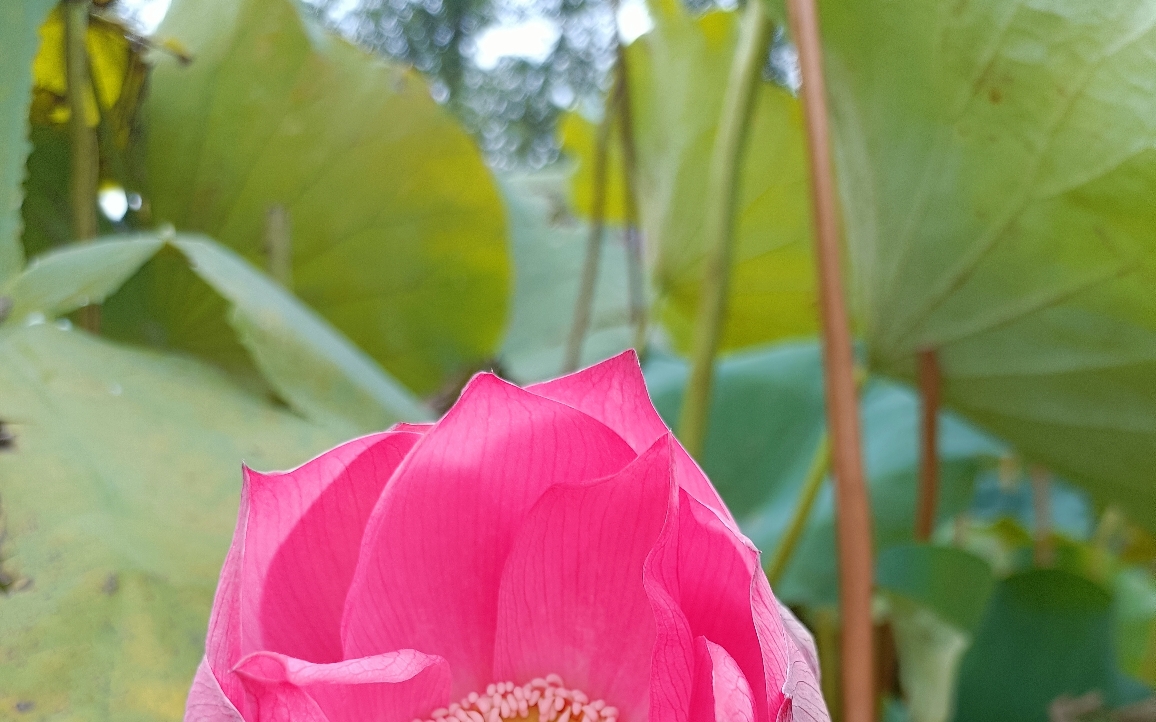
column 261, row 667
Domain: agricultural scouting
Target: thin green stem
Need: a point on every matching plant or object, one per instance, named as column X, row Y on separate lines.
column 583, row 306
column 1043, row 545
column 84, row 154
column 721, row 199
column 825, row 621
column 816, row 474
column 279, row 245
column 634, row 272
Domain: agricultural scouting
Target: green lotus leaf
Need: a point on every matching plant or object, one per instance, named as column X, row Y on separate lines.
column 996, row 163
column 118, row 497
column 19, row 23
column 1046, row 633
column 308, row 362
column 396, row 227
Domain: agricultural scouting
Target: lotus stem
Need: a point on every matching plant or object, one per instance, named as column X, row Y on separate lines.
column 634, row 274
column 721, row 200
column 930, row 382
column 279, row 245
column 853, row 522
column 826, row 626
column 84, row 156
column 817, row 472
column 583, row 306
column 1043, row 548
column 1108, row 530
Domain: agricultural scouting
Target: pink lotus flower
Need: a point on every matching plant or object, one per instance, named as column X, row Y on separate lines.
column 549, row 552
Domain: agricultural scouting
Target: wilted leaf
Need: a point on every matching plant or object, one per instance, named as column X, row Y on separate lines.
column 114, row 62
column 119, row 498
column 18, row 41
column 396, row 225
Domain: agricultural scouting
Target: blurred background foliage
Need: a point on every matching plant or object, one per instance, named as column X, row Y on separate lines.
column 322, row 218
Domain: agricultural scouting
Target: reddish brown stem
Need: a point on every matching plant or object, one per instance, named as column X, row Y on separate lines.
column 930, row 382
column 853, row 509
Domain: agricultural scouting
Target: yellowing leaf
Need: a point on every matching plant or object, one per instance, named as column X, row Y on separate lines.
column 113, row 61
column 578, row 137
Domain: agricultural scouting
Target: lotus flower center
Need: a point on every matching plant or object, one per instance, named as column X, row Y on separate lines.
column 540, row 700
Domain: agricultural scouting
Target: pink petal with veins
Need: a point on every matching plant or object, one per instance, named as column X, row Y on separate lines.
column 614, row 392
column 206, row 702
column 394, row 687
column 272, row 507
column 721, row 691
column 559, row 530
column 434, row 548
column 571, row 599
column 305, row 529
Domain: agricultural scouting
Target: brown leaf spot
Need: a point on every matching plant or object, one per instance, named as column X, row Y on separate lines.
column 111, row 585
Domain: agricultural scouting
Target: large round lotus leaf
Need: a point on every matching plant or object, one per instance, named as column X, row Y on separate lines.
column 997, row 167
column 1046, row 633
column 397, row 228
column 118, row 499
column 678, row 72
